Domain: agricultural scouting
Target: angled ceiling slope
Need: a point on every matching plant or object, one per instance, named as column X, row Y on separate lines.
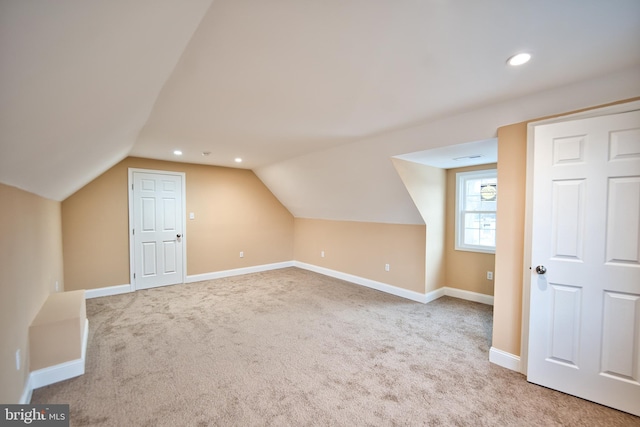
column 78, row 80
column 268, row 81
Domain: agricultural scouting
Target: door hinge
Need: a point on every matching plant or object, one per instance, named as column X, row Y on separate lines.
column 132, row 186
column 133, row 231
column 134, row 275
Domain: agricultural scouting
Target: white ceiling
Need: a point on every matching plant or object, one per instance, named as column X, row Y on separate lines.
column 273, row 80
column 287, row 83
column 458, row 155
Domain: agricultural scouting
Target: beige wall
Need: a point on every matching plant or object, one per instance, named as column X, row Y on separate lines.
column 30, row 264
column 56, row 334
column 463, row 269
column 363, row 249
column 233, row 210
column 507, row 311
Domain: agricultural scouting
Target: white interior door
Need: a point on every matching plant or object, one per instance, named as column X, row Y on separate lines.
column 158, row 229
column 584, row 330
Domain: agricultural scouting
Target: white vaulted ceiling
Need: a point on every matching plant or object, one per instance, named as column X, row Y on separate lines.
column 315, row 96
column 78, row 80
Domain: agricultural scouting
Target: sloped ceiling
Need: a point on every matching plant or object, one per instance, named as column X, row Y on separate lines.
column 78, row 80
column 315, row 96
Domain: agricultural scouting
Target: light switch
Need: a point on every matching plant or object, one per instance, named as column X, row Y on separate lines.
column 192, row 215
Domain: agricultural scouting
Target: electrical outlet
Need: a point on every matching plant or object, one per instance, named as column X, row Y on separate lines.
column 241, row 254
column 489, row 275
column 387, row 267
column 322, row 254
column 17, row 359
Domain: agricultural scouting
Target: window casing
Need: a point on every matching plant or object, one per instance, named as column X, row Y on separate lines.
column 476, row 200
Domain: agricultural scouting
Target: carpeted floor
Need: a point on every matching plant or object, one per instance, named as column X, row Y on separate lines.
column 291, row 348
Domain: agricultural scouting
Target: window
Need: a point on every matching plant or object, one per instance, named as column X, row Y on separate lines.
column 476, row 198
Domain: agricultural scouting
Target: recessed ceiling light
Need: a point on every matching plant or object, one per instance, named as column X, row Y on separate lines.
column 177, row 152
column 238, row 160
column 519, row 59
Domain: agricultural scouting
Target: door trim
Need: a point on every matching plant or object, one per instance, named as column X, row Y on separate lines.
column 131, row 221
column 528, row 215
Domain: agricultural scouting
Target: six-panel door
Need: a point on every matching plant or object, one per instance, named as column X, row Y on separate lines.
column 584, row 332
column 157, row 232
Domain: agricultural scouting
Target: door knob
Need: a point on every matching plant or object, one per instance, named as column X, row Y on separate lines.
column 178, row 235
column 541, row 269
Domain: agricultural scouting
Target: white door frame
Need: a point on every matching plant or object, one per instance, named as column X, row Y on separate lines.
column 528, row 216
column 131, row 221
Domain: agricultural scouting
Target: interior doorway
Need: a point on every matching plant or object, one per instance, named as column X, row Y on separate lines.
column 157, row 239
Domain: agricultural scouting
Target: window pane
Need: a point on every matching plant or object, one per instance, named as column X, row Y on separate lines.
column 488, row 221
column 472, row 220
column 479, row 229
column 473, row 187
column 472, row 197
column 488, row 206
column 476, row 230
column 473, row 204
column 487, row 237
column 471, row 236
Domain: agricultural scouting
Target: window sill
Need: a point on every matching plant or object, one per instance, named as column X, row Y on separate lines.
column 478, row 250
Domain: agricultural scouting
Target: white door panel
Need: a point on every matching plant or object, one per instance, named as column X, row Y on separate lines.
column 157, row 231
column 584, row 329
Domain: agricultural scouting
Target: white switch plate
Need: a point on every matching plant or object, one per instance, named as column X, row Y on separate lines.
column 489, row 275
column 322, row 254
column 192, row 215
column 386, row 267
column 241, row 254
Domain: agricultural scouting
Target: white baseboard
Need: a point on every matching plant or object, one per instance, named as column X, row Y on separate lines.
column 384, row 287
column 504, row 359
column 109, row 290
column 394, row 290
column 25, row 399
column 62, row 371
column 434, row 295
column 238, row 271
column 468, row 295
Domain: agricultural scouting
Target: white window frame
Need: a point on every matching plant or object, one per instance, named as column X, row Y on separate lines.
column 461, row 179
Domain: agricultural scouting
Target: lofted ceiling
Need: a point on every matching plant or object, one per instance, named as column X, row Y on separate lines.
column 315, row 96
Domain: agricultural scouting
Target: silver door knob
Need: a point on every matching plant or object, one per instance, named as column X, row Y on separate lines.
column 541, row 269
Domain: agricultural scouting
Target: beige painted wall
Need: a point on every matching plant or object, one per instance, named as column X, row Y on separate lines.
column 30, row 264
column 427, row 187
column 363, row 248
column 56, row 334
column 463, row 269
column 433, row 190
column 507, row 310
column 234, row 212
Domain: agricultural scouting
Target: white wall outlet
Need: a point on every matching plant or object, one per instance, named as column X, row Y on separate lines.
column 241, row 254
column 322, row 254
column 387, row 267
column 192, row 215
column 489, row 275
column 17, row 359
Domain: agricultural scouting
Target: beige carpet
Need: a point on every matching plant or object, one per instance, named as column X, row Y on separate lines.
column 293, row 348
